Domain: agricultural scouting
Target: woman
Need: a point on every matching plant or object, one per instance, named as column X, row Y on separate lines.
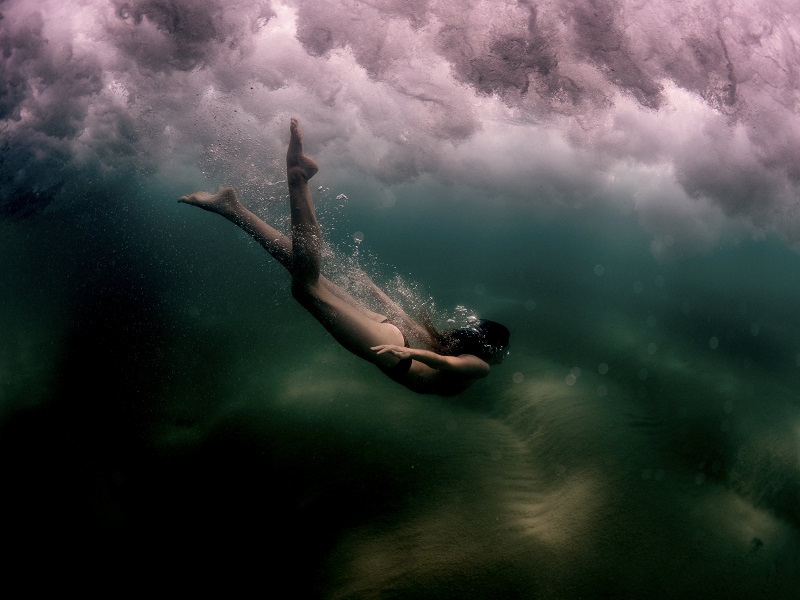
column 449, row 361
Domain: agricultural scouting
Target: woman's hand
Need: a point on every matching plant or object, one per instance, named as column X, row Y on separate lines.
column 400, row 352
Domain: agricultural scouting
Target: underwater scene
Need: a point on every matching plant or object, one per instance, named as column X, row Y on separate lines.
column 616, row 182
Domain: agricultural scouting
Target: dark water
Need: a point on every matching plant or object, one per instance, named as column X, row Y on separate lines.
column 166, row 405
column 616, row 181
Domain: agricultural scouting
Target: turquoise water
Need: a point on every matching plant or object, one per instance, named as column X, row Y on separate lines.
column 616, row 182
column 162, row 392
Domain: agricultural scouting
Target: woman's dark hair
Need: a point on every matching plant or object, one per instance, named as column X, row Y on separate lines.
column 488, row 340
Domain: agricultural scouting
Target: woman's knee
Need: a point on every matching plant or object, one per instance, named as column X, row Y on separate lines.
column 304, row 292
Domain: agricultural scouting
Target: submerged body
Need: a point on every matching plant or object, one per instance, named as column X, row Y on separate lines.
column 446, row 364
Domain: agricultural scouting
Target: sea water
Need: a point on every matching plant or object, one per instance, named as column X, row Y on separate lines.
column 163, row 396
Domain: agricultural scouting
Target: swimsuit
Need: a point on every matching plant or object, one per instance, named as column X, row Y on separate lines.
column 402, row 367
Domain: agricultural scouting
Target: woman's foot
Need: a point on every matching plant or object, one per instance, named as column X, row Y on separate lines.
column 298, row 165
column 224, row 202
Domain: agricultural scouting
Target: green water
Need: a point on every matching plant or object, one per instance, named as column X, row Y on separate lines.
column 165, row 402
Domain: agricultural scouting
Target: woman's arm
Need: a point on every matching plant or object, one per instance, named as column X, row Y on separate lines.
column 408, row 325
column 465, row 364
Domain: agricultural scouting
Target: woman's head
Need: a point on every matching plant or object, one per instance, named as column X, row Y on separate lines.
column 488, row 340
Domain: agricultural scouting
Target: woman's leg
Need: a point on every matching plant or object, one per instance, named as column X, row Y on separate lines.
column 227, row 204
column 351, row 324
column 306, row 233
column 351, row 327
